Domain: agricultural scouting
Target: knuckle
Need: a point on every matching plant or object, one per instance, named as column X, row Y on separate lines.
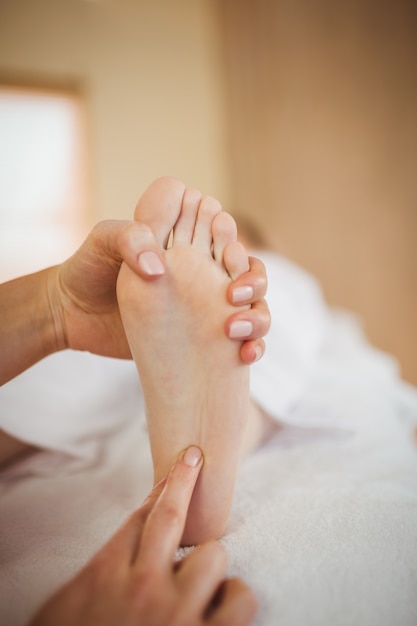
column 135, row 230
column 245, row 599
column 261, row 314
column 266, row 319
column 144, row 588
column 171, row 514
column 97, row 575
column 261, row 285
column 143, row 581
column 96, row 233
column 147, row 602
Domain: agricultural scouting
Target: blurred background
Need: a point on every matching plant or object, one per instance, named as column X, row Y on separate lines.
column 300, row 117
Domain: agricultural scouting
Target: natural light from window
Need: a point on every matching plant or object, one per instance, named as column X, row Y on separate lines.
column 42, row 179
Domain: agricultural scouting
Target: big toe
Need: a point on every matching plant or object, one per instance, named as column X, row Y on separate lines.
column 160, row 206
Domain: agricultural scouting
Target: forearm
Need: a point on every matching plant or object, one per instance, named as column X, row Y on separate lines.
column 27, row 328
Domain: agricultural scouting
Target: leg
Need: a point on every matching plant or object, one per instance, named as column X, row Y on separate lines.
column 196, row 388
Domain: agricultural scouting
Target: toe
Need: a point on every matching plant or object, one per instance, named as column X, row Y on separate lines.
column 160, row 206
column 208, row 209
column 235, row 259
column 184, row 228
column 224, row 232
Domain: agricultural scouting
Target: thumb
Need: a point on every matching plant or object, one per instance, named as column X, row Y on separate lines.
column 141, row 251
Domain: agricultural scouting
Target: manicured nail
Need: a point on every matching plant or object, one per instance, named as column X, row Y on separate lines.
column 192, row 456
column 242, row 294
column 240, row 329
column 150, row 263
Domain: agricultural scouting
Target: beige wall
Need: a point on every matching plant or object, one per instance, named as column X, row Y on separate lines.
column 323, row 103
column 149, row 73
column 320, row 125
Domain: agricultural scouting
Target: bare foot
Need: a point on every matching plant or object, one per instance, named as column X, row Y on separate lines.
column 195, row 386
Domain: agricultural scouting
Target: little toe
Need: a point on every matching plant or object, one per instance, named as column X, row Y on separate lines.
column 235, row 259
column 184, row 228
column 208, row 209
column 160, row 206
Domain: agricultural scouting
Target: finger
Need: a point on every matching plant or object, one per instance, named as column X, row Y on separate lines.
column 250, row 286
column 123, row 545
column 251, row 324
column 200, row 574
column 165, row 524
column 141, row 251
column 235, row 604
column 153, row 496
column 252, row 350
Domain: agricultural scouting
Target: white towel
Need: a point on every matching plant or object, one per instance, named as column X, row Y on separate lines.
column 323, row 525
column 324, row 520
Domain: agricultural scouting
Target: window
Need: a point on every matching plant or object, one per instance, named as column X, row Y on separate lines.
column 42, row 178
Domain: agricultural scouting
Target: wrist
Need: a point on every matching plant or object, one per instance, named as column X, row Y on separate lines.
column 29, row 322
column 54, row 329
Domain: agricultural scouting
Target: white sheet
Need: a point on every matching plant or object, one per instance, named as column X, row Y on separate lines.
column 324, row 522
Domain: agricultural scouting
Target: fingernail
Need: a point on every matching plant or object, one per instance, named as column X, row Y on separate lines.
column 240, row 329
column 242, row 294
column 150, row 263
column 192, row 456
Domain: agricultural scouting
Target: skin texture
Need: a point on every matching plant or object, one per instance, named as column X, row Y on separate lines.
column 74, row 305
column 195, row 386
column 134, row 581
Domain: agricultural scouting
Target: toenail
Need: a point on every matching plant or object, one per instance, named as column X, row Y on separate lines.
column 150, row 263
column 242, row 294
column 240, row 329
